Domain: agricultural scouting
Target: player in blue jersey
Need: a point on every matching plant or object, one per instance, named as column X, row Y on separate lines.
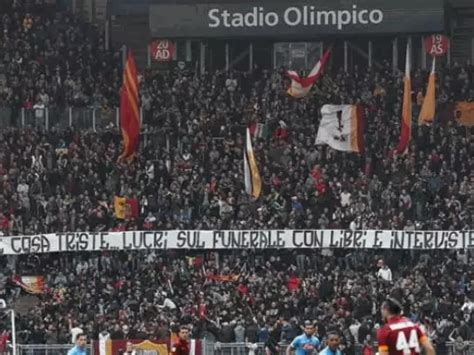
column 80, row 348
column 305, row 344
column 332, row 347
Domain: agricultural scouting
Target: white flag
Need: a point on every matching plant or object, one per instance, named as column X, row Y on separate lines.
column 105, row 344
column 341, row 128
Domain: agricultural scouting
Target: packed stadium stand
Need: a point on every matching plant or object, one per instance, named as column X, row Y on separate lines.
column 62, row 175
column 53, row 58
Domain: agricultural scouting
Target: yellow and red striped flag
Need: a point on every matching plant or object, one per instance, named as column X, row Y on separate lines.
column 428, row 108
column 129, row 111
column 405, row 131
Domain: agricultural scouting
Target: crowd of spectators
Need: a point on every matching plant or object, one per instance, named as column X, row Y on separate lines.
column 189, row 168
column 53, row 58
column 246, row 296
column 188, row 175
column 189, row 171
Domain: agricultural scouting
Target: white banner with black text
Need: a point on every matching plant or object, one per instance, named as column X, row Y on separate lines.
column 236, row 239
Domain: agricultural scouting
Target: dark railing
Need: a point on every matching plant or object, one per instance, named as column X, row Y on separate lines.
column 85, row 118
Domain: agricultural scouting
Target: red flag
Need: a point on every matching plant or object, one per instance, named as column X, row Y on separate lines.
column 129, row 113
column 406, row 109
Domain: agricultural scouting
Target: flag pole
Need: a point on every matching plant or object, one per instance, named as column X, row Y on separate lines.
column 13, row 325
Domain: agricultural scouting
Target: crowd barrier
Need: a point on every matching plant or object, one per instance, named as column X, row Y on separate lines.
column 83, row 118
column 42, row 349
column 209, row 348
column 250, row 349
column 86, row 118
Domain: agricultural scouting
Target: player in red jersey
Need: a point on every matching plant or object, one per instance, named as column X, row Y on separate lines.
column 181, row 346
column 400, row 336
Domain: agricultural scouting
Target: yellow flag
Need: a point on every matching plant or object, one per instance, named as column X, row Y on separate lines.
column 150, row 347
column 428, row 109
column 464, row 113
column 120, row 207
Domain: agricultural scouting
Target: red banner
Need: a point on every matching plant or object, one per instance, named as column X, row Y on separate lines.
column 436, row 45
column 162, row 50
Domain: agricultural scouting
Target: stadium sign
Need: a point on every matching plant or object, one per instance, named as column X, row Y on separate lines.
column 293, row 16
column 162, row 50
column 237, row 239
column 436, row 45
column 308, row 18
